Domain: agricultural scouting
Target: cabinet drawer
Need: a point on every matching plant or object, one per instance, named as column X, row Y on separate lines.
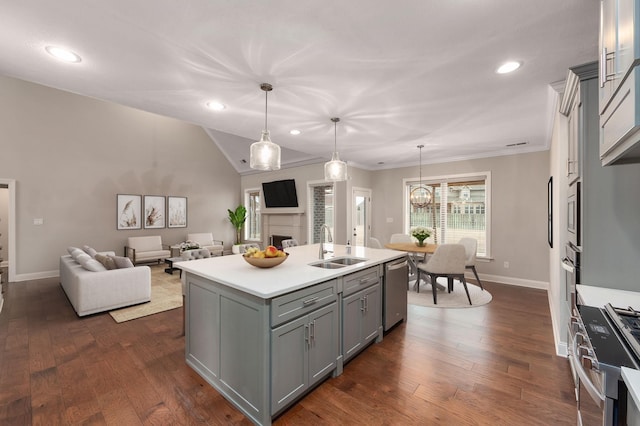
column 292, row 305
column 359, row 280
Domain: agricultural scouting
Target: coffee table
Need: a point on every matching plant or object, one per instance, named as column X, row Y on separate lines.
column 169, row 261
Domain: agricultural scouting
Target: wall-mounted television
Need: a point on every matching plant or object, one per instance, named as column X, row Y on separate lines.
column 280, row 193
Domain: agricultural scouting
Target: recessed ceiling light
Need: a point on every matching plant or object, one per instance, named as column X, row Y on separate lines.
column 63, row 54
column 216, row 106
column 508, row 67
column 294, row 132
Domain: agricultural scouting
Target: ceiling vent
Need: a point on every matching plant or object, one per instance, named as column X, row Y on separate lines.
column 517, row 144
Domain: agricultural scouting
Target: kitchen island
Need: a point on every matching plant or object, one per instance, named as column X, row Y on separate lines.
column 265, row 337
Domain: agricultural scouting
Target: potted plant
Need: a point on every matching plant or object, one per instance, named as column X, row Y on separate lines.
column 237, row 218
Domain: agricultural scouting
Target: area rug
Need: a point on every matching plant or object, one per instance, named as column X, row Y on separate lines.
column 456, row 299
column 166, row 294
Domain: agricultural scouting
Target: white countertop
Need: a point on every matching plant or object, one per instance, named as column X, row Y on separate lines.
column 600, row 296
column 293, row 274
column 631, row 377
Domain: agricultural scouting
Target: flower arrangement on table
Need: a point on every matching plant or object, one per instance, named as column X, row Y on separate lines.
column 420, row 233
column 189, row 245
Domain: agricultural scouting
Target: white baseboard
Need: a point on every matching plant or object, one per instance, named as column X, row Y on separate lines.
column 36, row 276
column 511, row 281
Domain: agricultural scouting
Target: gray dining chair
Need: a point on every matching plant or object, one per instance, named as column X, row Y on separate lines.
column 470, row 248
column 449, row 261
column 374, row 243
column 292, row 242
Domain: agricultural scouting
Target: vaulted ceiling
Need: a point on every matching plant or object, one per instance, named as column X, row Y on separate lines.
column 398, row 74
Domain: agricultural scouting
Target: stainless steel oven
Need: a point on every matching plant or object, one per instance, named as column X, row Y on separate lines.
column 596, row 353
column 574, row 214
column 571, row 266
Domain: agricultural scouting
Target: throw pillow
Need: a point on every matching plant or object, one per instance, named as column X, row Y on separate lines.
column 122, row 262
column 106, row 261
column 70, row 249
column 90, row 251
column 91, row 264
column 75, row 253
column 81, row 257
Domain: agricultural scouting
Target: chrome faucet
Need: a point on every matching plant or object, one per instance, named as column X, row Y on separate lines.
column 330, row 240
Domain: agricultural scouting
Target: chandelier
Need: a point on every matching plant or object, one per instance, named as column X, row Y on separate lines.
column 420, row 197
column 264, row 154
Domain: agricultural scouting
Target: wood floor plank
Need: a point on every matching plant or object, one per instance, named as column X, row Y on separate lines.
column 493, row 364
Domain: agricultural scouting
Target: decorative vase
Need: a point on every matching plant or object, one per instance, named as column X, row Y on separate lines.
column 420, row 243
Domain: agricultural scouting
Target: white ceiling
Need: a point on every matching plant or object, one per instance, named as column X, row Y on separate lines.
column 398, row 74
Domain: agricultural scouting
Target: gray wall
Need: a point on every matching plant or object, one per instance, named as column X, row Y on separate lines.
column 518, row 216
column 70, row 155
column 4, row 223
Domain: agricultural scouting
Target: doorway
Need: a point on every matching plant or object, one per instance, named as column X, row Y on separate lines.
column 7, row 229
column 360, row 216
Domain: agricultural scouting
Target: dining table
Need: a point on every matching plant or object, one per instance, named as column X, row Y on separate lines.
column 412, row 247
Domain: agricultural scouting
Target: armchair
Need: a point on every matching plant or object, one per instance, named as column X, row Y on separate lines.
column 205, row 240
column 146, row 249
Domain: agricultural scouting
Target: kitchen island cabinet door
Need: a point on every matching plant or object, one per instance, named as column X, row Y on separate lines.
column 304, row 351
column 324, row 342
column 289, row 362
column 361, row 320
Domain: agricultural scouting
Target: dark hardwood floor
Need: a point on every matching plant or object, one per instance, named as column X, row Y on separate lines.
column 490, row 365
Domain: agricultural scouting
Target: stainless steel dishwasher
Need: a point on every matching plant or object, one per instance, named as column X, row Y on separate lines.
column 396, row 282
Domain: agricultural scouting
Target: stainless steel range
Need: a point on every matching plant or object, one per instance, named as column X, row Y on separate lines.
column 600, row 342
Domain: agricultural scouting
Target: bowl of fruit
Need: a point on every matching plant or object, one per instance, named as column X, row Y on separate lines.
column 267, row 258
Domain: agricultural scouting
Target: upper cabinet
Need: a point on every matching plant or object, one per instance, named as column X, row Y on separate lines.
column 619, row 77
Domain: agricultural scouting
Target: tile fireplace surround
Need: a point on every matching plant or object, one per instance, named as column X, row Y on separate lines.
column 291, row 224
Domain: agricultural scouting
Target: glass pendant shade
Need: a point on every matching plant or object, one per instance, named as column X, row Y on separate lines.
column 335, row 170
column 264, row 154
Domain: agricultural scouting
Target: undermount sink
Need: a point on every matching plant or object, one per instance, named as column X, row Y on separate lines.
column 327, row 265
column 347, row 260
column 338, row 262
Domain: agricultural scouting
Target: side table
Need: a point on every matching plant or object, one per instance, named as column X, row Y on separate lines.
column 169, row 261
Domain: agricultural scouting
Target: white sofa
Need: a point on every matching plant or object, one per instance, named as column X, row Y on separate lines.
column 90, row 292
column 146, row 249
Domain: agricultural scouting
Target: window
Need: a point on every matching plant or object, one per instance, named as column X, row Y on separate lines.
column 460, row 208
column 252, row 226
column 321, row 203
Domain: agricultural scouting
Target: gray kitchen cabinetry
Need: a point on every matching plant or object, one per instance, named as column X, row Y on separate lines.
column 361, row 311
column 304, row 351
column 619, row 82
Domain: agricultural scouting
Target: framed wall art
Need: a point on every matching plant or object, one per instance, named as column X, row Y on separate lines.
column 154, row 211
column 129, row 208
column 177, row 212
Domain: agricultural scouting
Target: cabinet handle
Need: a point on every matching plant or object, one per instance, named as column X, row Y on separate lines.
column 362, row 304
column 310, row 301
column 312, row 331
column 603, row 67
column 306, row 334
column 366, row 303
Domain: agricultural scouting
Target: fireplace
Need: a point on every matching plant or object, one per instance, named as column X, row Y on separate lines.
column 276, row 240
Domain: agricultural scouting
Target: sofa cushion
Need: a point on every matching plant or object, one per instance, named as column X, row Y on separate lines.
column 80, row 256
column 106, row 261
column 90, row 251
column 122, row 262
column 91, row 264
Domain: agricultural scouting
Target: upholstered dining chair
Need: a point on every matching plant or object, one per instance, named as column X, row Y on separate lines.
column 400, row 238
column 374, row 243
column 470, row 248
column 289, row 243
column 244, row 247
column 449, row 260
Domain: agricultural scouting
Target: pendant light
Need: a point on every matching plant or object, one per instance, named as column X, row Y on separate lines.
column 264, row 154
column 335, row 170
column 420, row 197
